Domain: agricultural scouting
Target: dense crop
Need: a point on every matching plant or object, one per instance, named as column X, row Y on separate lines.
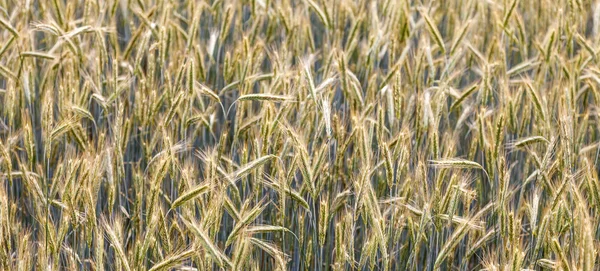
column 299, row 134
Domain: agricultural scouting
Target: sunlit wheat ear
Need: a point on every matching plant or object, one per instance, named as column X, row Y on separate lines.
column 271, row 250
column 557, row 248
column 247, row 218
column 173, row 260
column 510, row 11
column 264, row 97
column 524, row 142
column 189, row 195
column 294, row 195
column 260, row 97
column 536, row 100
column 208, row 244
column 307, row 74
column 209, row 92
column 434, row 31
column 322, row 15
column 457, row 236
column 242, row 171
column 455, row 163
column 463, row 96
column 114, row 239
column 327, row 116
column 267, row 228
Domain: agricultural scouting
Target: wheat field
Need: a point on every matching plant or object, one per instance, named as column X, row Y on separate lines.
column 299, row 135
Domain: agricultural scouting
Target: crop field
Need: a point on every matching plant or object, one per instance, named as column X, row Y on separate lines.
column 299, row 135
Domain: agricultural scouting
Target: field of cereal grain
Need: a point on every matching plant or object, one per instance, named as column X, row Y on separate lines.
column 299, row 135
